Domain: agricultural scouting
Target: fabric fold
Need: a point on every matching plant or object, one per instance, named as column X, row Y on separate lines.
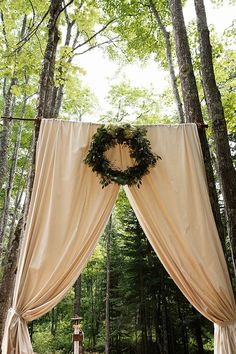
column 67, row 214
column 224, row 338
column 16, row 338
column 174, row 210
column 69, row 210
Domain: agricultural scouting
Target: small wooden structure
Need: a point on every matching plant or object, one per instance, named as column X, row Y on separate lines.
column 78, row 336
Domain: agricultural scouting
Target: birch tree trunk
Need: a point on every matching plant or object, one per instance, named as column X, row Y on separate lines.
column 170, row 62
column 9, row 187
column 227, row 173
column 5, row 133
column 20, row 191
column 8, row 107
column 192, row 103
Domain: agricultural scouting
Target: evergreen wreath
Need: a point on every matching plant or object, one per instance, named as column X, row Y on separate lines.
column 134, row 137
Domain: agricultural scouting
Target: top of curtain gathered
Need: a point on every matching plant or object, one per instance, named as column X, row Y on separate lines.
column 123, row 122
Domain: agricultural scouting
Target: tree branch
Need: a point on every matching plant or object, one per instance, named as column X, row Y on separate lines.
column 157, row 16
column 67, row 16
column 94, row 35
column 40, row 46
column 98, row 45
column 62, row 9
column 33, row 19
column 21, row 43
column 75, row 39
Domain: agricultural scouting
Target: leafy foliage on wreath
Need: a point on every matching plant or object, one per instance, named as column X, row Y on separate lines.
column 134, row 137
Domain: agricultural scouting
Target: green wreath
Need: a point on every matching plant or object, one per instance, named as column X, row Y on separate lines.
column 134, row 137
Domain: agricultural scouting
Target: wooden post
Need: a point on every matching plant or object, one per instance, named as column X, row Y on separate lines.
column 78, row 336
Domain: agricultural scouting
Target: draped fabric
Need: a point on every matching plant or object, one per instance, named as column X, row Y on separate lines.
column 69, row 210
column 174, row 211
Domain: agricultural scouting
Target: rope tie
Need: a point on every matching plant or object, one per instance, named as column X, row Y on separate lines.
column 13, row 311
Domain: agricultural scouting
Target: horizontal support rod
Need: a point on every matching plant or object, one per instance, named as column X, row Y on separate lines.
column 199, row 125
column 19, row 118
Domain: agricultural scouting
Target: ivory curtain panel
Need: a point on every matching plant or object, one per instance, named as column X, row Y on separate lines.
column 69, row 210
column 174, row 211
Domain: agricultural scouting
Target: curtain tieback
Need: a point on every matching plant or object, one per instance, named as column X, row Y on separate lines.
column 13, row 311
column 226, row 323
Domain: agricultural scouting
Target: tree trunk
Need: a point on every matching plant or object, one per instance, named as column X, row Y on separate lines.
column 47, row 75
column 5, row 212
column 192, row 104
column 183, row 326
column 44, row 101
column 164, row 325
column 77, row 302
column 170, row 62
column 59, row 91
column 5, row 133
column 8, row 108
column 6, row 286
column 198, row 331
column 227, row 173
column 8, row 191
column 107, row 320
column 143, row 324
column 157, row 315
column 93, row 315
column 54, row 321
column 20, row 191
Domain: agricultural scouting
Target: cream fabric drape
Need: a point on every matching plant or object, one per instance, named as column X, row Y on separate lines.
column 67, row 214
column 174, row 211
column 69, row 209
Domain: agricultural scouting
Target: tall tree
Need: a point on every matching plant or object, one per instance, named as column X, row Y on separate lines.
column 142, row 29
column 227, row 172
column 192, row 103
column 170, row 62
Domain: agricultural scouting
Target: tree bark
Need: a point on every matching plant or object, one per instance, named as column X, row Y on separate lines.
column 227, row 173
column 198, row 331
column 183, row 326
column 108, row 245
column 59, row 91
column 8, row 190
column 47, row 74
column 5, row 133
column 77, row 302
column 192, row 104
column 170, row 62
column 8, row 108
column 7, row 282
column 54, row 320
column 20, row 191
column 165, row 327
column 5, row 212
